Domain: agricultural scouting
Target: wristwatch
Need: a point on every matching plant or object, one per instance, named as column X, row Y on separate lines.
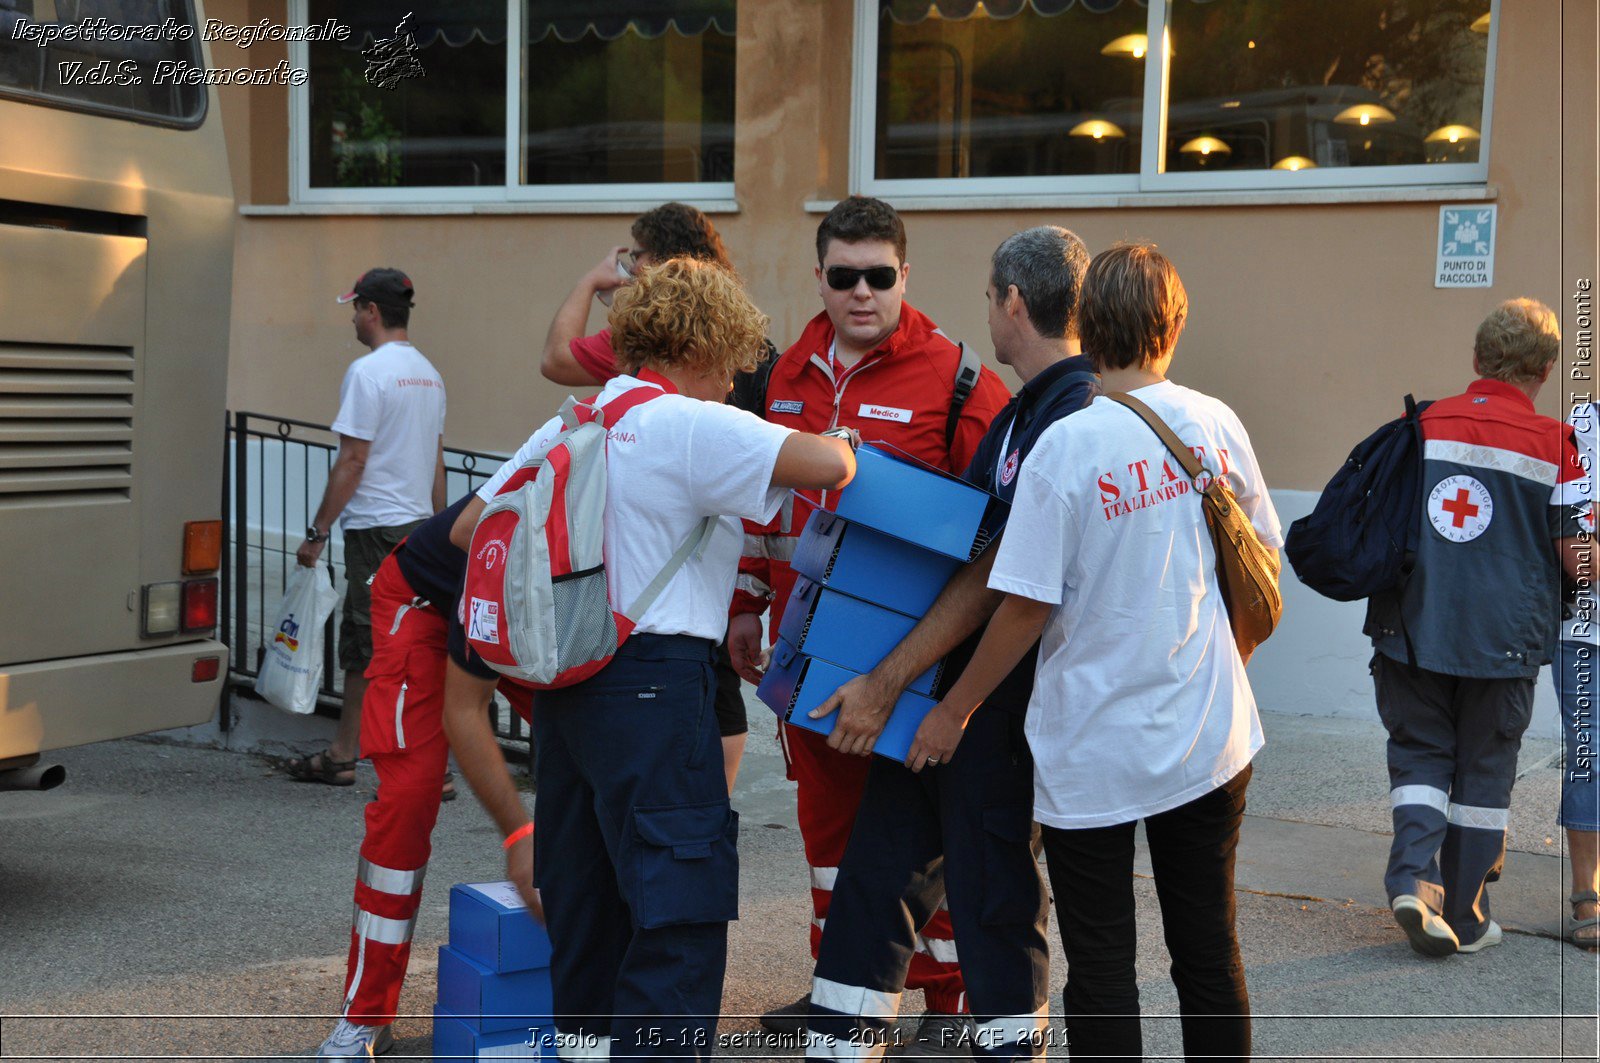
column 314, row 536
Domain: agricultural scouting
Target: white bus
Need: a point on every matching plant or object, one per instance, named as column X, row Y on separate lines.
column 116, row 257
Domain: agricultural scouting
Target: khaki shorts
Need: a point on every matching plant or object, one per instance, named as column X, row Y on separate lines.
column 364, row 551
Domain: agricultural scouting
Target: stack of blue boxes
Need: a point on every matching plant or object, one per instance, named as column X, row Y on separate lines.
column 494, row 979
column 868, row 570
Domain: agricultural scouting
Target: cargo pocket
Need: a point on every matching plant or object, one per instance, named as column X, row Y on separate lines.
column 383, row 706
column 1011, row 890
column 1517, row 712
column 686, row 865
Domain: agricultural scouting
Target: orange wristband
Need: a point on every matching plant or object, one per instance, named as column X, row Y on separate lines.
column 524, row 831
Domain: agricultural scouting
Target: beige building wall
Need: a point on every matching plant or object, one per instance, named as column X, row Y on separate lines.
column 1310, row 320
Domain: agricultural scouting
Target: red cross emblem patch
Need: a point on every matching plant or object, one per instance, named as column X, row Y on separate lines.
column 1459, row 507
column 1008, row 472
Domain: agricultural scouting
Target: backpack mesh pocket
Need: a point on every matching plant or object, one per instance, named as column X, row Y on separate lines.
column 585, row 629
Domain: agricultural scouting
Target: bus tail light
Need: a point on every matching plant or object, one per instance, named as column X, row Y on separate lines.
column 162, row 602
column 202, row 547
column 199, row 605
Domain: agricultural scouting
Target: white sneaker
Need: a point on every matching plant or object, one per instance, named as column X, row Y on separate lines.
column 350, row 1041
column 1491, row 937
column 1429, row 934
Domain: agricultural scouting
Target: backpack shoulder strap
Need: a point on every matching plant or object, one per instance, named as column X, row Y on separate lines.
column 691, row 545
column 967, row 371
column 1185, row 456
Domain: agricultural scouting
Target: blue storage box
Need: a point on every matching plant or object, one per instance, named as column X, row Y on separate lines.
column 917, row 503
column 455, row 1039
column 835, row 627
column 490, row 1002
column 870, row 565
column 490, row 924
column 795, row 684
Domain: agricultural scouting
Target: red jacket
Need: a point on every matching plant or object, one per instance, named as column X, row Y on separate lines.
column 898, row 394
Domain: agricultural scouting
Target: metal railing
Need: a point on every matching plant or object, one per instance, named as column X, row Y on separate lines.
column 274, row 473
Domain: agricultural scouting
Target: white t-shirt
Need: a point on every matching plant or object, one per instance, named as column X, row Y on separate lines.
column 671, row 463
column 393, row 398
column 1140, row 702
column 1585, row 623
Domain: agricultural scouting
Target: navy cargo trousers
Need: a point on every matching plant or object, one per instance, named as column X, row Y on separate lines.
column 960, row 833
column 1453, row 744
column 635, row 854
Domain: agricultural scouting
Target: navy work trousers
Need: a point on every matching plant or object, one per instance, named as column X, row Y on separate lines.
column 1192, row 850
column 635, row 853
column 1453, row 745
column 961, row 833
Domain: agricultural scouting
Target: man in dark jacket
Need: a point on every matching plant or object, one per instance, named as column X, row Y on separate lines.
column 969, row 822
column 1459, row 647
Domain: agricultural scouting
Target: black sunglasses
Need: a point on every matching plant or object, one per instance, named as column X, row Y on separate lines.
column 843, row 278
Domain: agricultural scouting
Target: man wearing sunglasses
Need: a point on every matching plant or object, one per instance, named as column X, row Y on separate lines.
column 872, row 362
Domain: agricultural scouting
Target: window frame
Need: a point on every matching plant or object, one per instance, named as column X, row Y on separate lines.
column 511, row 191
column 1149, row 180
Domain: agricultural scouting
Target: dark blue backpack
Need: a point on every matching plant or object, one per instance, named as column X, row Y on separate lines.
column 1361, row 538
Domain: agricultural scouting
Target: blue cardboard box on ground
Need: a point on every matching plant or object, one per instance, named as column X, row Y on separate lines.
column 820, row 622
column 870, row 565
column 915, row 502
column 795, row 684
column 455, row 1039
column 490, row 1002
column 490, row 924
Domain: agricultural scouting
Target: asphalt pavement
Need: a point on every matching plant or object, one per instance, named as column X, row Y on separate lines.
column 177, row 902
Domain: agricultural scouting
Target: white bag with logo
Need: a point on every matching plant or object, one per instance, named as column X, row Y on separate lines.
column 291, row 667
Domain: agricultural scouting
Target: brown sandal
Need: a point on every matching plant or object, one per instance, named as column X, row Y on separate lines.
column 319, row 767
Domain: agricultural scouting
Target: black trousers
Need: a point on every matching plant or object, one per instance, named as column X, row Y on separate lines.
column 1192, row 850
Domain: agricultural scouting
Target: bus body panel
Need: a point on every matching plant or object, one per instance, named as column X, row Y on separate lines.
column 116, row 262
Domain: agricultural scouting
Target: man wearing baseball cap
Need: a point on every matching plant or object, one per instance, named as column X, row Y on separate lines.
column 387, row 479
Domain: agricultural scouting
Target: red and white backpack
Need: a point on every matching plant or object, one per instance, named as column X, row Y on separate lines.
column 536, row 605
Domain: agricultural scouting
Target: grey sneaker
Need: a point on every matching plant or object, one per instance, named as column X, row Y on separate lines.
column 1429, row 934
column 350, row 1041
column 789, row 1019
column 943, row 1036
column 1490, row 937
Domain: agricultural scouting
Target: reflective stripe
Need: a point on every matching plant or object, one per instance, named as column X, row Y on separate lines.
column 781, row 547
column 388, row 879
column 754, row 545
column 399, row 714
column 827, row 1047
column 820, row 924
column 752, row 586
column 1431, row 796
column 1478, row 817
column 942, row 950
column 1011, row 1029
column 823, row 878
column 855, row 1001
column 355, row 979
column 1496, row 458
column 383, row 930
column 583, row 1046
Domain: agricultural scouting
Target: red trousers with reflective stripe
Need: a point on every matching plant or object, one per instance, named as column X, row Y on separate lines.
column 829, row 787
column 402, row 733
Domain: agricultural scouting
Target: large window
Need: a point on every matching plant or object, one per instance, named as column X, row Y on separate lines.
column 137, row 59
column 484, row 100
column 1037, row 96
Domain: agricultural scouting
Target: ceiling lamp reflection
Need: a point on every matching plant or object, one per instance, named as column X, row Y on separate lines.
column 1130, row 46
column 1206, row 146
column 1097, row 128
column 1452, row 134
column 1482, row 25
column 1364, row 114
column 1294, row 162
